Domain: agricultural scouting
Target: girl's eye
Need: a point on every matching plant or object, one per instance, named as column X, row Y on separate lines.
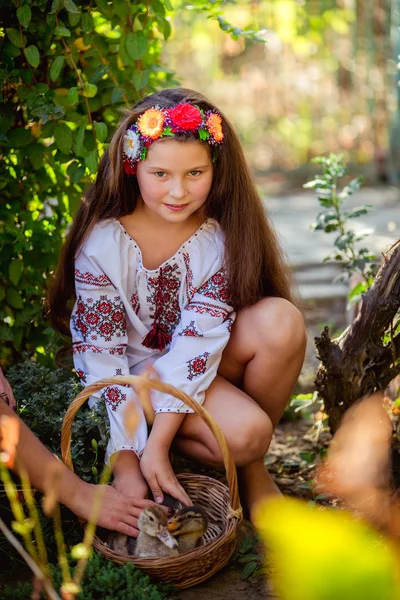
column 159, row 174
column 195, row 173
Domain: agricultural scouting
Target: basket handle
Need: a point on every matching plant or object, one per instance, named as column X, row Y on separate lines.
column 140, row 383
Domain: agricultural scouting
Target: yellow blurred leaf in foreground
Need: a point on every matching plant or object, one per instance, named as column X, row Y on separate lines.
column 326, row 554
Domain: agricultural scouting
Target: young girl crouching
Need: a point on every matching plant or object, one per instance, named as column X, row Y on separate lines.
column 172, row 262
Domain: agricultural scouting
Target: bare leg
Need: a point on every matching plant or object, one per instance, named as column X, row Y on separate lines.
column 260, row 366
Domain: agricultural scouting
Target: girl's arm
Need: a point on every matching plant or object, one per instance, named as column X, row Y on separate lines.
column 155, row 464
column 118, row 512
column 100, row 338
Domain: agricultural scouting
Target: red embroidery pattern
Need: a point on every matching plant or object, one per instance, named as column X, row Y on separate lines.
column 216, row 287
column 206, row 308
column 81, row 374
column 90, row 279
column 135, row 303
column 80, row 348
column 104, row 318
column 113, row 397
column 189, row 287
column 191, row 331
column 197, row 366
column 164, row 299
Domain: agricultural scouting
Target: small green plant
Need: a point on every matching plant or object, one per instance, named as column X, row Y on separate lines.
column 103, row 580
column 334, row 219
column 249, row 557
column 43, row 396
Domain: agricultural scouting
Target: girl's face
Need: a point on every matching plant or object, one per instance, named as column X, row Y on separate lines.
column 175, row 179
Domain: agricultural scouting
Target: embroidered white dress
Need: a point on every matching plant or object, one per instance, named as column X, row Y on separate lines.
column 182, row 310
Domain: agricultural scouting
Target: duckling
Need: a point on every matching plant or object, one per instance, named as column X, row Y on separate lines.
column 118, row 542
column 188, row 525
column 154, row 539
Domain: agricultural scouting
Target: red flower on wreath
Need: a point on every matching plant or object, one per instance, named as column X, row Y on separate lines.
column 129, row 168
column 185, row 117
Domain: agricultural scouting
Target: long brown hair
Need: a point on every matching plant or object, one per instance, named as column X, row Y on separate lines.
column 254, row 259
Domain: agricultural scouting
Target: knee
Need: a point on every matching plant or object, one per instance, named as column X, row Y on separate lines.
column 251, row 443
column 278, row 323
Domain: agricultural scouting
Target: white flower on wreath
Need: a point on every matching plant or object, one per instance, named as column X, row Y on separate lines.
column 131, row 144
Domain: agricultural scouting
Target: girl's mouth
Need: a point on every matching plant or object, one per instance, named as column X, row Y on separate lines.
column 176, row 207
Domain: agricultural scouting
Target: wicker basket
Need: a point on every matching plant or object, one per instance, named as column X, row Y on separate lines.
column 221, row 503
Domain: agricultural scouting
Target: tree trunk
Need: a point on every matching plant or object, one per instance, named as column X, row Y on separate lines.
column 359, row 362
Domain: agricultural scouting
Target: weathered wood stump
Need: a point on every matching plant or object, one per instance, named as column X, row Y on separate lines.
column 359, row 361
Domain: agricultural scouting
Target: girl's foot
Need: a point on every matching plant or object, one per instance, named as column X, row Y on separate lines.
column 256, row 484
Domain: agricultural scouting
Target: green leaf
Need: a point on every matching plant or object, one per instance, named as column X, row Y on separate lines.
column 14, row 299
column 80, row 136
column 75, row 172
column 24, row 15
column 136, row 44
column 89, row 90
column 63, row 137
column 249, row 569
column 140, row 79
column 72, row 96
column 62, row 31
column 87, row 22
column 99, row 73
column 74, row 18
column 55, row 6
column 91, row 161
column 32, row 56
column 116, row 95
column 15, row 37
column 56, row 67
column 71, row 6
column 20, row 137
column 101, row 131
column 15, row 270
column 168, row 5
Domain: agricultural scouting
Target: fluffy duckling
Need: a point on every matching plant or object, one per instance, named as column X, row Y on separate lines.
column 188, row 525
column 118, row 542
column 154, row 539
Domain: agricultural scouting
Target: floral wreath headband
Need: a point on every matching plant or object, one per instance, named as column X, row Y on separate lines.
column 158, row 122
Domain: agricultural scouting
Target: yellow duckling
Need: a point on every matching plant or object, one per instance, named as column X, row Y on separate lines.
column 188, row 525
column 154, row 539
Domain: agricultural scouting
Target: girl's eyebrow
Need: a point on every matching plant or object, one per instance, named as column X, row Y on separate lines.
column 191, row 169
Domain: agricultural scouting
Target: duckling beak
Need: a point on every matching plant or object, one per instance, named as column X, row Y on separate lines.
column 173, row 525
column 166, row 538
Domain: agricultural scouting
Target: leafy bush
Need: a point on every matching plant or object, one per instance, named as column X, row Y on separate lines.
column 66, row 70
column 43, row 396
column 103, row 580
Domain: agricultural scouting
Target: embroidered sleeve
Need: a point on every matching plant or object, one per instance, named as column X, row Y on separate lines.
column 99, row 337
column 192, row 361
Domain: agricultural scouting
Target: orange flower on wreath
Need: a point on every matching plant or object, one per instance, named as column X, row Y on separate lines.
column 150, row 123
column 214, row 126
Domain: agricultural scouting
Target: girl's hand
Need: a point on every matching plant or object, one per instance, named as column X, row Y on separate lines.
column 6, row 392
column 157, row 470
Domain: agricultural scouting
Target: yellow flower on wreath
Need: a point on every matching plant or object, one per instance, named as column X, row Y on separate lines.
column 151, row 122
column 214, row 126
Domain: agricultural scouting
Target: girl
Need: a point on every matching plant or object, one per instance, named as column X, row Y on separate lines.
column 174, row 263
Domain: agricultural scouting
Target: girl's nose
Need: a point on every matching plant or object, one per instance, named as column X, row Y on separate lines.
column 177, row 189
